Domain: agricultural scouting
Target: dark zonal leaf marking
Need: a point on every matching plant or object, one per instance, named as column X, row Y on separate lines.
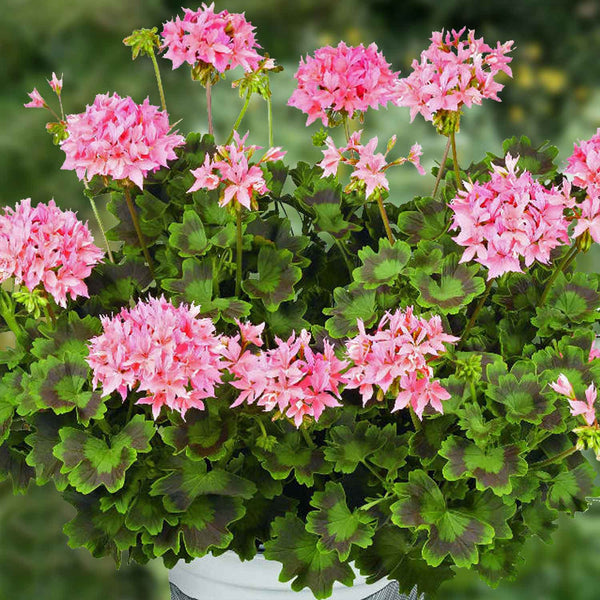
column 189, row 236
column 337, row 526
column 302, row 559
column 570, row 488
column 350, row 304
column 348, row 447
column 382, row 267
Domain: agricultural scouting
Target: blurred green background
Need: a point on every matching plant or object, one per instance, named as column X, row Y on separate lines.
column 555, row 95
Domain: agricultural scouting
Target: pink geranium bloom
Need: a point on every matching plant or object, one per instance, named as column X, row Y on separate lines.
column 49, row 247
column 242, row 181
column 167, row 353
column 453, row 73
column 397, row 355
column 119, row 139
column 369, row 166
column 222, row 40
column 56, row 84
column 563, row 386
column 36, row 100
column 509, row 218
column 587, row 408
column 584, row 165
column 345, row 80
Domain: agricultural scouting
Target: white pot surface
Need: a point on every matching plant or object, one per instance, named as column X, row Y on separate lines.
column 226, row 577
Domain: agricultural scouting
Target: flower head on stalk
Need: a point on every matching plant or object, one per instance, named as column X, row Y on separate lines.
column 453, row 73
column 212, row 43
column 244, row 182
column 115, row 137
column 369, row 166
column 162, row 350
column 343, row 81
column 46, row 246
column 396, row 358
column 509, row 217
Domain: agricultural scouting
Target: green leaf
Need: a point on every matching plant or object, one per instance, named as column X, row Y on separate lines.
column 393, row 555
column 189, row 236
column 190, row 480
column 10, row 390
column 349, row 447
column 540, row 519
column 90, row 462
column 420, row 503
column 285, row 320
column 62, row 385
column 494, row 511
column 276, row 277
column 303, row 560
column 498, row 562
column 427, row 222
column 277, row 233
column 538, row 160
column 153, row 220
column 13, row 465
column 196, row 282
column 477, row 426
column 350, row 304
column 492, row 467
column 292, row 454
column 571, row 487
column 337, row 526
column 451, row 288
column 391, row 456
column 382, row 267
column 521, row 398
column 70, row 333
column 425, row 443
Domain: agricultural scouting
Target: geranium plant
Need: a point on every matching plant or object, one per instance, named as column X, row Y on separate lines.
column 260, row 356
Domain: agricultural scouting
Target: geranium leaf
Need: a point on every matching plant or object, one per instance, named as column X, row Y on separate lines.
column 350, row 304
column 477, row 426
column 393, row 555
column 196, row 282
column 292, row 454
column 90, row 462
column 62, row 385
column 427, row 222
column 382, row 267
column 450, row 289
column 189, row 237
column 349, row 447
column 189, row 480
column 277, row 232
column 69, row 333
column 14, row 465
column 149, row 514
column 10, row 389
column 539, row 160
column 570, row 488
column 492, row 467
column 391, row 456
column 420, row 503
column 276, row 277
column 285, row 320
column 498, row 562
column 303, row 560
column 337, row 526
column 521, row 398
column 426, row 442
column 494, row 511
column 540, row 519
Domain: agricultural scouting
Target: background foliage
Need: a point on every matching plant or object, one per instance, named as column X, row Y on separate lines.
column 555, row 95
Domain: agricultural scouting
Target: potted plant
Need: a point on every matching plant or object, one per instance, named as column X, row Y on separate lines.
column 277, row 362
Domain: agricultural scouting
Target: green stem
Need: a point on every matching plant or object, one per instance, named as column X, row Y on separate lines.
column 459, row 185
column 7, row 312
column 473, row 319
column 263, row 431
column 373, row 503
column 158, row 81
column 368, row 466
column 567, row 259
column 473, row 391
column 238, row 253
column 344, row 254
column 270, row 120
column 346, row 128
column 129, row 410
column 442, row 167
column 240, row 117
column 417, row 424
column 386, row 221
column 553, row 459
column 209, row 107
column 307, row 438
column 100, row 225
column 136, row 225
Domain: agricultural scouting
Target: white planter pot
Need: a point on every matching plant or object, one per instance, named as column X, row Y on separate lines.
column 228, row 578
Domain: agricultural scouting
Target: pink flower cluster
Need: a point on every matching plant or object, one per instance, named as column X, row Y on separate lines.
column 509, row 217
column 223, row 40
column 45, row 245
column 369, row 166
column 452, row 73
column 243, row 182
column 584, row 165
column 396, row 358
column 564, row 387
column 166, row 352
column 343, row 79
column 291, row 378
column 117, row 138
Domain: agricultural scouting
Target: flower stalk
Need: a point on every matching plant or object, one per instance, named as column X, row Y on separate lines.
column 238, row 250
column 567, row 259
column 240, row 116
column 442, row 167
column 138, row 230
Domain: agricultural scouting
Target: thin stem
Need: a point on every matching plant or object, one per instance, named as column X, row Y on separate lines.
column 553, row 459
column 386, row 221
column 7, row 312
column 263, row 431
column 158, row 81
column 100, row 225
column 366, row 464
column 307, row 438
column 238, row 253
column 344, row 254
column 240, row 117
column 473, row 319
column 567, row 259
column 346, row 128
column 459, row 185
column 415, row 419
column 209, row 107
column 442, row 167
column 140, row 235
column 270, row 120
column 129, row 410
